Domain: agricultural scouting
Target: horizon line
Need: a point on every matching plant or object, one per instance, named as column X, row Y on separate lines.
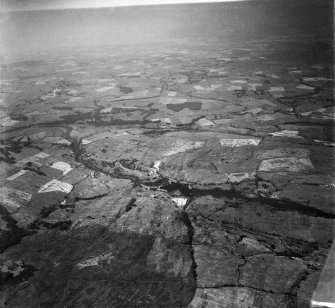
column 118, row 3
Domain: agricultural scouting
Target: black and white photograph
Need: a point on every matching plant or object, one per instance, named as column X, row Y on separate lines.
column 167, row 154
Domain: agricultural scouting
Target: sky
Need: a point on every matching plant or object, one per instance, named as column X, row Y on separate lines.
column 24, row 5
column 47, row 25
